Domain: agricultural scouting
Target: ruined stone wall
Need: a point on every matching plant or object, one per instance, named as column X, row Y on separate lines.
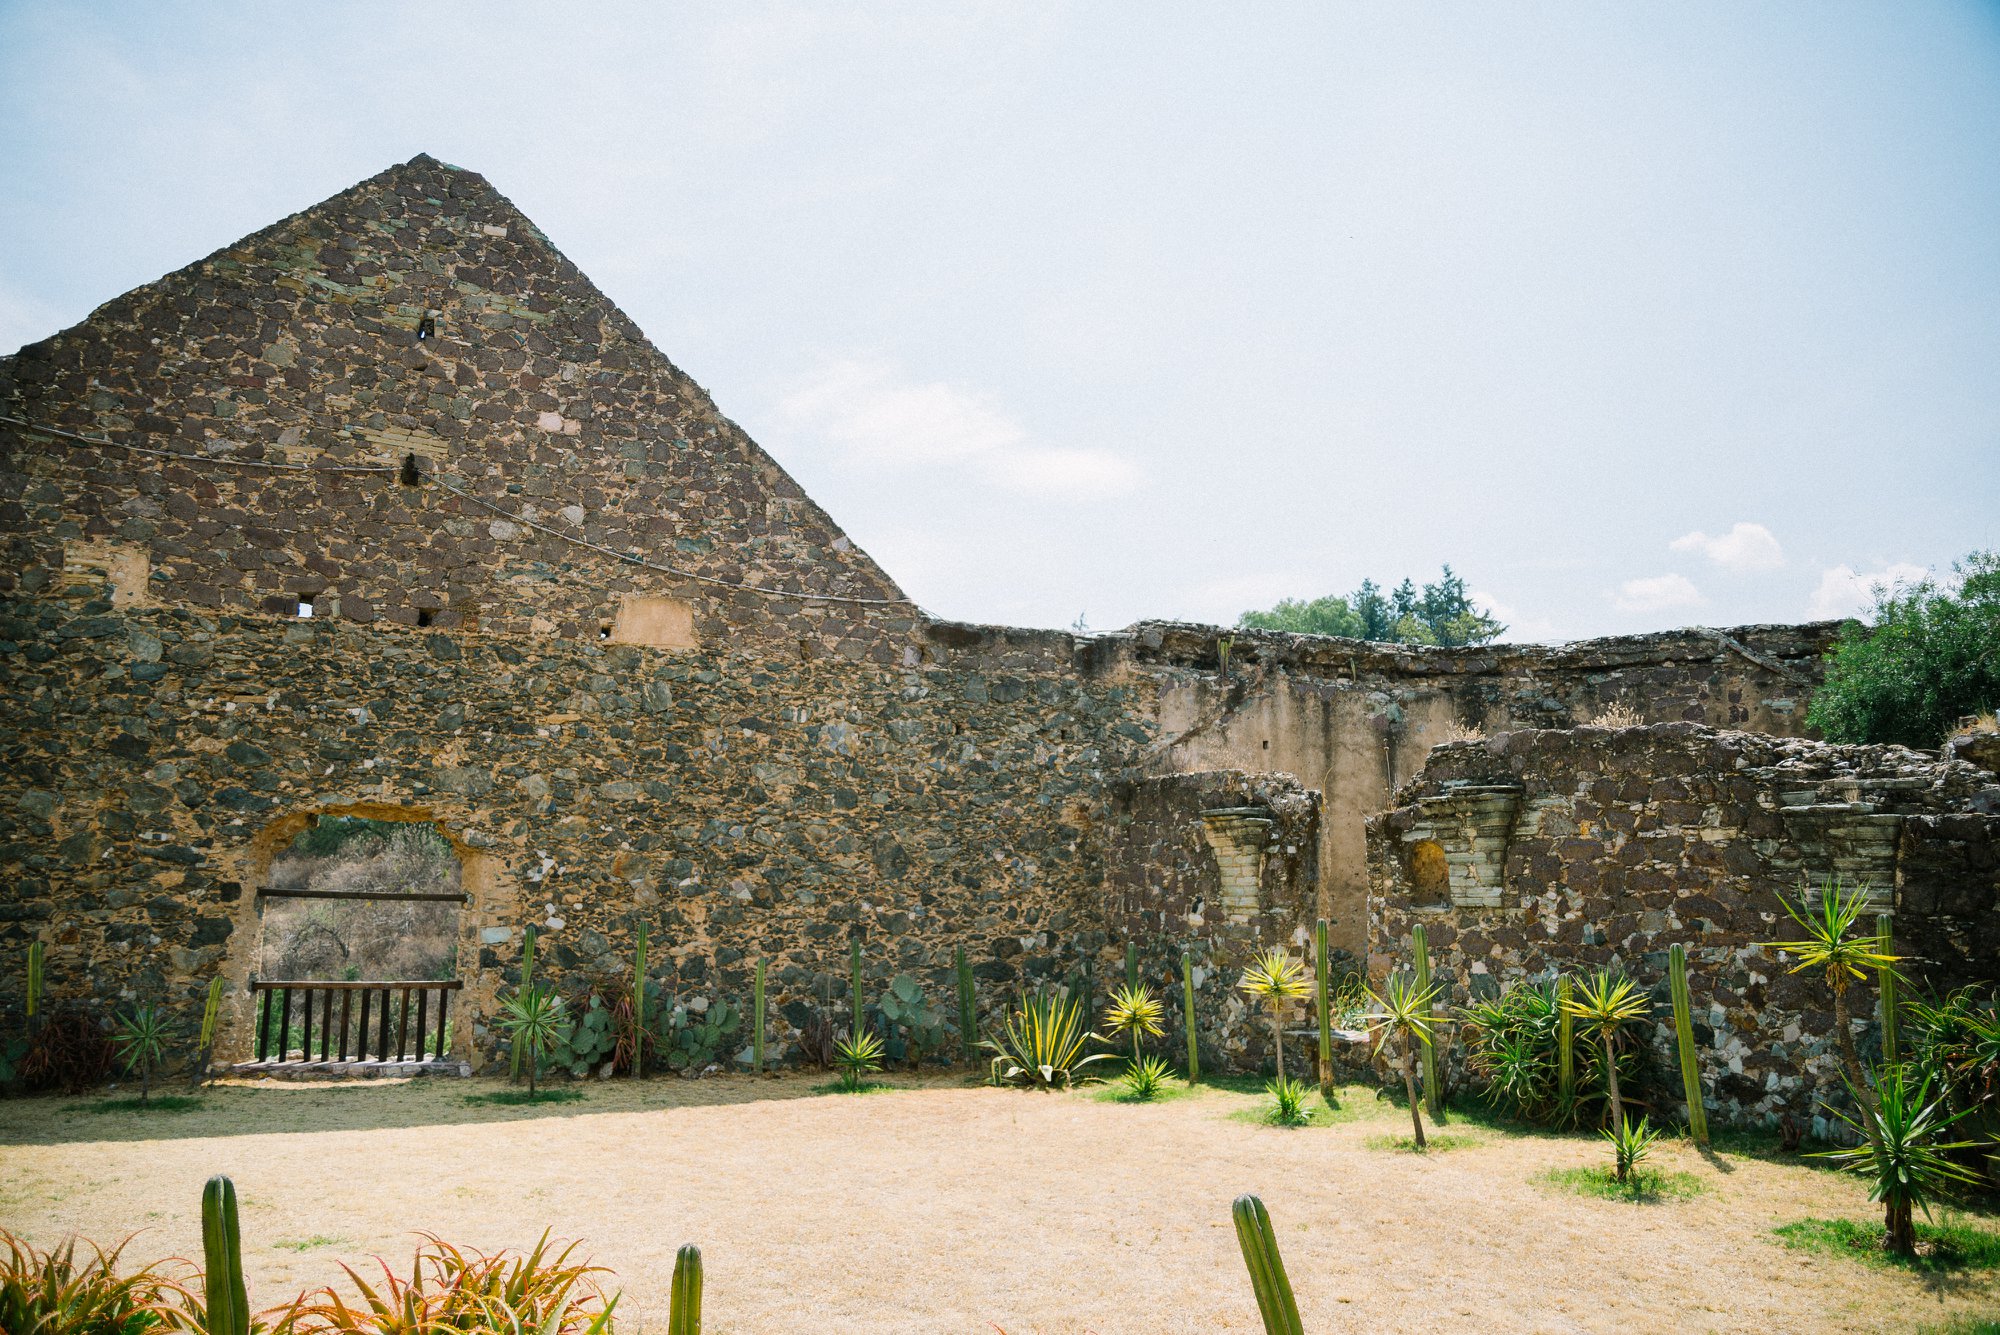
column 1600, row 848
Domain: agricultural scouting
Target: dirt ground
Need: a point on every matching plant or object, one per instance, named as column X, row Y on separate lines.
column 945, row 1207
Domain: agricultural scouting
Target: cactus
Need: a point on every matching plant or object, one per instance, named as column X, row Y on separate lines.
column 1131, row 964
column 1433, row 1086
column 226, row 1303
column 639, row 1005
column 34, row 979
column 1322, row 970
column 1267, row 1269
column 1565, row 1049
column 1187, row 1017
column 1885, row 982
column 854, row 967
column 684, row 1302
column 1677, row 974
column 968, row 1007
column 206, row 1044
column 757, row 1020
column 527, row 982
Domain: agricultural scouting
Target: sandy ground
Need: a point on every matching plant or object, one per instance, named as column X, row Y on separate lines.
column 944, row 1207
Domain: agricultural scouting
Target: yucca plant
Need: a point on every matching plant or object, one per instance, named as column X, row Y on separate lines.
column 52, row 1293
column 536, row 1020
column 1835, row 945
column 1631, row 1143
column 1511, row 1045
column 1604, row 1004
column 1135, row 1012
column 141, row 1038
column 1145, row 1078
column 1405, row 1012
column 1275, row 978
column 1288, row 1101
column 459, row 1291
column 1041, row 1043
column 1905, row 1156
column 1259, row 1243
column 857, row 1055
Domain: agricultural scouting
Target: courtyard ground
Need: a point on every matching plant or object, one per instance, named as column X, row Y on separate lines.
column 939, row 1206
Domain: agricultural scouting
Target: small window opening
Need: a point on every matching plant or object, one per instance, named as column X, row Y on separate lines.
column 1267, row 744
column 604, row 630
column 427, row 328
column 410, row 477
column 306, row 606
column 425, row 616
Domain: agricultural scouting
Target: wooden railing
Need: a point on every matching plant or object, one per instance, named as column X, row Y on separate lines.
column 355, row 1022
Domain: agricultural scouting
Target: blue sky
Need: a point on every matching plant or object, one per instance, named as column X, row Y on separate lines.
column 1638, row 315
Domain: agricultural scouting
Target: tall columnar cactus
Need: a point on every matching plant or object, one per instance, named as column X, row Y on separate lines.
column 684, row 1303
column 1565, row 1048
column 1267, row 1268
column 854, row 965
column 1187, row 1018
column 1885, row 983
column 968, row 1007
column 1677, row 974
column 1131, row 964
column 639, row 1005
column 210, row 1013
column 757, row 1020
column 34, row 979
column 225, row 1301
column 1322, row 978
column 527, row 981
column 1433, row 1087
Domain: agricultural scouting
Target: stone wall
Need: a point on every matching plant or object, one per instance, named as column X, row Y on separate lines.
column 1599, row 848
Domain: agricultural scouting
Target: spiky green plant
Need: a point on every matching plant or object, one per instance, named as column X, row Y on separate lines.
column 1904, row 1155
column 1135, row 1012
column 858, row 1055
column 1677, row 974
column 1223, row 645
column 225, row 1302
column 1605, row 1004
column 1288, row 1101
column 1420, row 952
column 968, row 1006
column 1322, row 978
column 757, row 1021
column 52, row 1293
column 536, row 1021
column 1145, row 1078
column 1275, row 978
column 1268, row 1281
column 1835, row 946
column 458, row 1291
column 684, row 1304
column 1885, row 989
column 211, row 1014
column 1041, row 1043
column 639, row 1030
column 1404, row 1011
column 1187, row 1018
column 1631, row 1143
column 141, row 1039
column 527, row 981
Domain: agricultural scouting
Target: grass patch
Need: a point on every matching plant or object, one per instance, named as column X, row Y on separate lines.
column 312, row 1243
column 1115, row 1092
column 1950, row 1245
column 1317, row 1114
column 519, row 1098
column 1647, row 1186
column 1965, row 1325
column 1435, row 1142
column 842, row 1087
column 173, row 1103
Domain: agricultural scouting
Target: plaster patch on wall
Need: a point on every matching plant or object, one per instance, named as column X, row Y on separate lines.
column 124, row 566
column 659, row 623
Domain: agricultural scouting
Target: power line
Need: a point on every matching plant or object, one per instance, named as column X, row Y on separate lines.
column 197, row 458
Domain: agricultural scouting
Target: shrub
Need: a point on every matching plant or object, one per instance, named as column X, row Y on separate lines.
column 916, row 1026
column 1932, row 657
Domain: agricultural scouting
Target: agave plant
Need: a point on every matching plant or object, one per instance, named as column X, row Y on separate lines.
column 1275, row 978
column 1135, row 1012
column 1145, row 1078
column 1631, row 1143
column 1835, row 944
column 52, row 1293
column 858, row 1055
column 1604, row 1004
column 141, row 1038
column 1405, row 1011
column 451, row 1289
column 1905, row 1156
column 1041, row 1043
column 536, row 1020
column 1288, row 1101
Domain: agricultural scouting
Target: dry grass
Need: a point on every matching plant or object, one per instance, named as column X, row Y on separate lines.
column 1615, row 716
column 940, row 1207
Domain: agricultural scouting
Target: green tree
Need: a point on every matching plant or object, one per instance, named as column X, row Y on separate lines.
column 1931, row 658
column 1440, row 613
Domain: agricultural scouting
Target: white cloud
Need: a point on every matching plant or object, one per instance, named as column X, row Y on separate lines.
column 1843, row 593
column 1657, row 594
column 878, row 417
column 1745, row 548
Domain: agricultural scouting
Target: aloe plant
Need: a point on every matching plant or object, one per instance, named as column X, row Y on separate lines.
column 1268, row 1281
column 968, row 1007
column 1677, row 974
column 1433, row 1086
column 141, row 1039
column 684, row 1302
column 1187, row 1018
column 1322, row 978
column 757, row 1020
column 226, row 1303
column 210, row 1014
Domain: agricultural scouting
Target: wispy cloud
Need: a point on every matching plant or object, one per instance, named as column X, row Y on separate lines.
column 1744, row 549
column 879, row 417
column 1657, row 594
column 1844, row 593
